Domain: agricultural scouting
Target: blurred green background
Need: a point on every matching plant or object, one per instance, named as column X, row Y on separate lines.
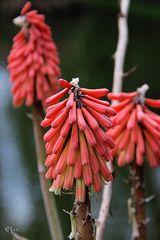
column 86, row 35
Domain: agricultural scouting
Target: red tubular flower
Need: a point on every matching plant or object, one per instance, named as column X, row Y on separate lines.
column 77, row 144
column 136, row 132
column 33, row 61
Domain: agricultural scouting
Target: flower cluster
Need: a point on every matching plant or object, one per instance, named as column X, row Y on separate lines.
column 33, row 61
column 136, row 130
column 77, row 143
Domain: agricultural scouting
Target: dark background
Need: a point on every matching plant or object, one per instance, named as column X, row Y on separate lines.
column 86, row 35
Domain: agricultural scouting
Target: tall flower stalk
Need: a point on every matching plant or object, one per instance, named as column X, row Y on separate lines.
column 33, row 64
column 48, row 198
column 136, row 134
column 78, row 147
column 119, row 60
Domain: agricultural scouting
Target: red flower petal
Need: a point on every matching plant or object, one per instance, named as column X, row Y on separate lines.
column 87, row 175
column 68, row 181
column 64, row 83
column 70, row 101
column 81, row 122
column 153, row 102
column 73, row 114
column 96, row 93
column 26, row 8
column 83, row 149
column 91, row 120
column 56, row 97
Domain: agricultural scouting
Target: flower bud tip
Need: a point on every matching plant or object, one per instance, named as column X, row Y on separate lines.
column 19, row 21
column 75, row 81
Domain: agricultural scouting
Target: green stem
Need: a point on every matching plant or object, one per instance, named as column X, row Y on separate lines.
column 48, row 198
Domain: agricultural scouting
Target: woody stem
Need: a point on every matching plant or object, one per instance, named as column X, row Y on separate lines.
column 137, row 216
column 48, row 198
column 119, row 59
column 84, row 224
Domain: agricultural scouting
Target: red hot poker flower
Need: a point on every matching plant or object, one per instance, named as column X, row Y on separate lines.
column 136, row 130
column 33, row 61
column 77, row 144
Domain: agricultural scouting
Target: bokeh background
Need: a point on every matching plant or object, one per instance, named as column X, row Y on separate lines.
column 85, row 32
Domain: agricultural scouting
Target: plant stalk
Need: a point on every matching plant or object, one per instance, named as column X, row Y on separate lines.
column 119, row 59
column 83, row 227
column 48, row 198
column 137, row 210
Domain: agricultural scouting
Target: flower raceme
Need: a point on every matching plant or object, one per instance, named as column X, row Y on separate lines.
column 77, row 143
column 33, row 61
column 136, row 130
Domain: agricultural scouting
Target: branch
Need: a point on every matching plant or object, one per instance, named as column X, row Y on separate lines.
column 105, row 207
column 129, row 72
column 82, row 224
column 137, row 215
column 48, row 198
column 120, row 53
column 119, row 57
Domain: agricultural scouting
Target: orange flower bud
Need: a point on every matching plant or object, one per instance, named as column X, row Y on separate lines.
column 77, row 144
column 136, row 128
column 33, row 61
